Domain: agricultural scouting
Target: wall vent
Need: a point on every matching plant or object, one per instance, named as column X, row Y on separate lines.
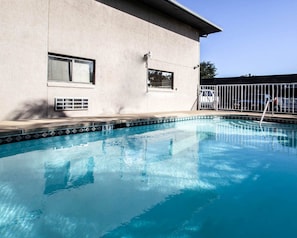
column 71, row 103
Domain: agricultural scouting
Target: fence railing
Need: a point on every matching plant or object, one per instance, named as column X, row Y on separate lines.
column 249, row 97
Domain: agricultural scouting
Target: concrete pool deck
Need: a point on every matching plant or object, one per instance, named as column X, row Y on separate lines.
column 14, row 131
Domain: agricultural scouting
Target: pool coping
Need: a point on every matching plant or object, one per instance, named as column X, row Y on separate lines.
column 16, row 131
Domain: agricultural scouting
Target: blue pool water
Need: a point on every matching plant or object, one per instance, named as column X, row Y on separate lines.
column 201, row 178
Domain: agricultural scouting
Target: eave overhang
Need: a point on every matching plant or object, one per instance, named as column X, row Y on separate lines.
column 181, row 13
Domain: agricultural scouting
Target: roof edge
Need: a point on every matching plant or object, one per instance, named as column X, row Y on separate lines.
column 194, row 14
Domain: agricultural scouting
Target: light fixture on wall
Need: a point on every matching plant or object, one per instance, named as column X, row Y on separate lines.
column 196, row 66
column 146, row 58
column 147, row 55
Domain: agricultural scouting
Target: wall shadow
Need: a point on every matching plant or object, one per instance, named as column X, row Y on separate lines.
column 35, row 110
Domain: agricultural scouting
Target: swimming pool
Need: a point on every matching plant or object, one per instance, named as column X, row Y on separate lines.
column 199, row 178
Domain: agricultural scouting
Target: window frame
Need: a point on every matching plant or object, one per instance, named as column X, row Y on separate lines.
column 72, row 60
column 149, row 84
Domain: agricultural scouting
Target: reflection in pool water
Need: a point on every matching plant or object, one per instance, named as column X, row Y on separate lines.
column 202, row 178
column 58, row 175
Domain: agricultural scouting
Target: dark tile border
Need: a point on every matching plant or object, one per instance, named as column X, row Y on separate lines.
column 37, row 133
column 258, row 118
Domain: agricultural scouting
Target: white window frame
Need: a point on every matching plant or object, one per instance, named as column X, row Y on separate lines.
column 169, row 87
column 73, row 70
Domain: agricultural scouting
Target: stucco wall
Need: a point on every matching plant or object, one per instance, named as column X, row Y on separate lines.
column 23, row 58
column 115, row 36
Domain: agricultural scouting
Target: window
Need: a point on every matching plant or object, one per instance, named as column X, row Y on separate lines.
column 160, row 79
column 70, row 69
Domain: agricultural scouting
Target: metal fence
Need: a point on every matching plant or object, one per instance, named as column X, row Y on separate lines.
column 282, row 98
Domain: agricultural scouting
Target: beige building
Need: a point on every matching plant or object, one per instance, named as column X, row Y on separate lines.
column 90, row 58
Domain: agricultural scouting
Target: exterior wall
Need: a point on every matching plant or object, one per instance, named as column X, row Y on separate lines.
column 23, row 58
column 116, row 37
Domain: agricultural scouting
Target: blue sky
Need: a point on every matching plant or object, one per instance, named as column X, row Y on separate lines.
column 259, row 36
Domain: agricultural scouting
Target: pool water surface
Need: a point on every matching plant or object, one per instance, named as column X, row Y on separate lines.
column 198, row 178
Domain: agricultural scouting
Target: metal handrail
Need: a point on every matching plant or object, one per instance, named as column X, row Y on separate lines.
column 264, row 112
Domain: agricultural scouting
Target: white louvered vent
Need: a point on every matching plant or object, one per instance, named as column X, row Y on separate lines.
column 71, row 103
